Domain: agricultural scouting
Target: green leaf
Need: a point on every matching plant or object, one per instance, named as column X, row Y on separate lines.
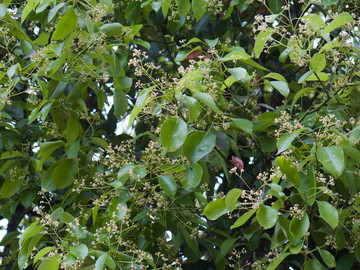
column 101, row 142
column 42, row 252
column 64, row 173
column 284, row 55
column 173, row 134
column 215, row 209
column 183, row 7
column 332, row 158
column 227, row 245
column 182, row 55
column 320, row 76
column 235, row 55
column 243, row 124
column 239, row 73
column 197, row 145
column 3, row 11
column 339, row 21
column 328, row 213
column 282, row 87
column 168, row 185
column 139, row 104
column 103, row 260
column 284, row 142
column 120, row 103
column 299, row 227
column 66, row 25
column 261, row 40
column 300, row 94
column 312, row 265
column 305, row 76
column 345, row 262
column 275, row 76
column 80, row 252
column 193, row 106
column 30, row 6
column 165, row 5
column 73, row 129
column 50, row 263
column 10, row 186
column 232, row 197
column 206, row 99
column 194, row 176
column 111, row 29
column 308, row 185
column 287, row 168
column 242, row 219
column 198, row 8
column 266, row 216
column 276, row 262
column 327, row 257
column 318, row 62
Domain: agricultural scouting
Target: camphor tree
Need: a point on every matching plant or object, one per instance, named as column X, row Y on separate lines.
column 178, row 134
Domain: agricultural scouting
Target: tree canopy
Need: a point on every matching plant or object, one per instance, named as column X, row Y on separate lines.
column 180, row 134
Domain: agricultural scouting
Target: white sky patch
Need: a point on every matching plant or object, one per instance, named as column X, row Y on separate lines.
column 3, row 225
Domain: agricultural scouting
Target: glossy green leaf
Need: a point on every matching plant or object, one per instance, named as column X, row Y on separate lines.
column 80, row 251
column 10, row 187
column 64, row 173
column 227, row 245
column 173, row 134
column 243, row 218
column 312, row 264
column 299, row 226
column 105, row 260
column 194, row 175
column 235, row 55
column 139, row 104
column 198, row 8
column 329, row 213
column 165, row 5
column 42, row 252
column 318, row 62
column 261, row 40
column 327, row 257
column 320, row 76
column 30, row 6
column 243, row 124
column 284, row 142
column 73, row 129
column 46, row 149
column 308, row 185
column 332, row 158
column 239, row 73
column 193, row 106
column 266, row 216
column 50, row 263
column 207, row 100
column 340, row 20
column 287, row 167
column 282, row 87
column 277, row 261
column 215, row 209
column 3, row 11
column 183, row 7
column 120, row 103
column 168, row 185
column 275, row 76
column 111, row 29
column 232, row 197
column 66, row 25
column 197, row 145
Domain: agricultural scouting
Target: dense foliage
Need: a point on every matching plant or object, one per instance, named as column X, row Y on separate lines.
column 178, row 134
